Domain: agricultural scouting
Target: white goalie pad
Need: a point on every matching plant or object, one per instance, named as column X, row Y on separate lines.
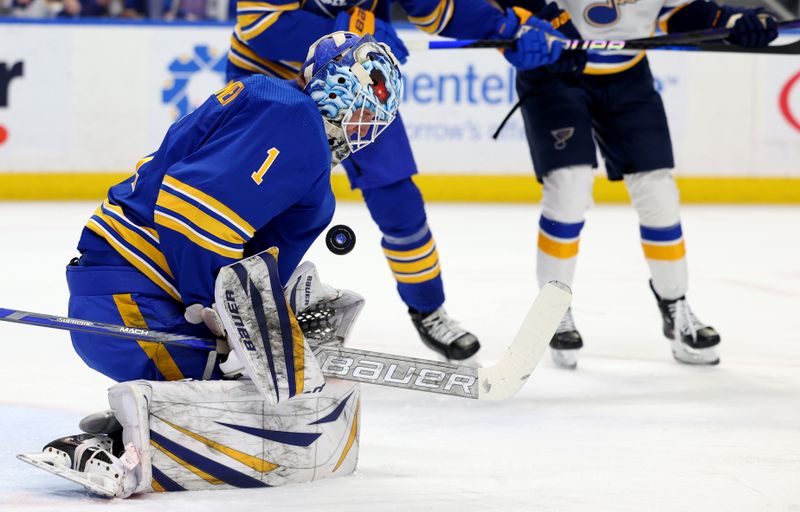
column 204, row 435
column 262, row 329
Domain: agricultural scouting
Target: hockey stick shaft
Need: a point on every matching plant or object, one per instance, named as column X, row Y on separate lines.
column 497, row 382
column 686, row 41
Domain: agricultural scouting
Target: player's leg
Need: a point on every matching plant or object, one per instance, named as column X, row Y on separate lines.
column 635, row 140
column 383, row 172
column 558, row 128
column 122, row 295
column 204, row 435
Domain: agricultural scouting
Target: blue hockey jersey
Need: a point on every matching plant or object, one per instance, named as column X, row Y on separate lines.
column 272, row 38
column 249, row 169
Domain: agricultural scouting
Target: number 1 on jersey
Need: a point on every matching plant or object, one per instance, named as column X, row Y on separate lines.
column 258, row 176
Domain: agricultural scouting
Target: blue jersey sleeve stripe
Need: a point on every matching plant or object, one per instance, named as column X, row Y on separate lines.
column 116, row 211
column 135, row 240
column 667, row 234
column 256, row 26
column 435, row 21
column 211, row 204
column 133, row 257
column 189, row 209
column 173, row 223
column 560, row 229
column 241, row 55
column 209, row 237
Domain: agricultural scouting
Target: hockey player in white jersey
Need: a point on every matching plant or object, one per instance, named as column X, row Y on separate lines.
column 612, row 103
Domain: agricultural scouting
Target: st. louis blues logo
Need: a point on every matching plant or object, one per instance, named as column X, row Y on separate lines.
column 193, row 78
column 562, row 135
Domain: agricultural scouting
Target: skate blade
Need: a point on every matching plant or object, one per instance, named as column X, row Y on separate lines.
column 567, row 359
column 42, row 461
column 696, row 356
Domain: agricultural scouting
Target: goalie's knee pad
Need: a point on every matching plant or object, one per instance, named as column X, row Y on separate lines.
column 567, row 194
column 655, row 197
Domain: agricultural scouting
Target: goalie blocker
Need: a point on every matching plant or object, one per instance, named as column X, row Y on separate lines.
column 201, row 435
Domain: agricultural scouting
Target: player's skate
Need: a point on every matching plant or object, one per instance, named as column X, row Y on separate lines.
column 565, row 343
column 85, row 459
column 693, row 342
column 443, row 334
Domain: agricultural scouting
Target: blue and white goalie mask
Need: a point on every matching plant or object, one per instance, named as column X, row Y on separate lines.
column 356, row 83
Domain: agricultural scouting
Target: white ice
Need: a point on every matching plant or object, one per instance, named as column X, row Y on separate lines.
column 629, row 430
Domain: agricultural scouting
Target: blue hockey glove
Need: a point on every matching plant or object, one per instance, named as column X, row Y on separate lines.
column 572, row 61
column 749, row 27
column 361, row 21
column 533, row 49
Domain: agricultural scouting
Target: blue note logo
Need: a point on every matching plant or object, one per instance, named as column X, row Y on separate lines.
column 562, row 135
column 604, row 13
column 193, row 78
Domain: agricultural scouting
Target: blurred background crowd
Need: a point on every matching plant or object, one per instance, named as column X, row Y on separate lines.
column 167, row 10
column 221, row 10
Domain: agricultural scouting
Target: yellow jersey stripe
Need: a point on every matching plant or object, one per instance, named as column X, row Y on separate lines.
column 419, row 277
column 664, row 252
column 198, row 217
column 116, row 210
column 199, row 472
column 253, row 6
column 411, row 254
column 157, row 352
column 134, row 259
column 664, row 19
column 255, row 60
column 169, row 222
column 261, row 26
column 351, row 438
column 156, row 486
column 212, row 204
column 557, row 249
column 250, row 461
column 144, row 161
column 415, row 266
column 136, row 240
column 593, row 69
column 429, row 19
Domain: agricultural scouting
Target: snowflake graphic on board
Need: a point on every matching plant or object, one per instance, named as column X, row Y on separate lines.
column 204, row 60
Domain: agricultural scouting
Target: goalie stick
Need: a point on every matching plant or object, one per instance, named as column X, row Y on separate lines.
column 497, row 382
column 707, row 40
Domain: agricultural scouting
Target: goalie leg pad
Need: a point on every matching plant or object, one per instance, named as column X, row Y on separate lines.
column 262, row 329
column 202, row 435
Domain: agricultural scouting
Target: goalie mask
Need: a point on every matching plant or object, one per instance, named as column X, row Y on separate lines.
column 356, row 83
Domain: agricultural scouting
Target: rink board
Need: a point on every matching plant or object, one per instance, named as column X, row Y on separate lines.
column 87, row 101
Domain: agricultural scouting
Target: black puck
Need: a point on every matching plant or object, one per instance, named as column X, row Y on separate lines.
column 340, row 239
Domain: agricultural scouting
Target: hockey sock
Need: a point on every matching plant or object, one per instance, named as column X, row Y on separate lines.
column 408, row 243
column 566, row 196
column 656, row 199
column 558, row 250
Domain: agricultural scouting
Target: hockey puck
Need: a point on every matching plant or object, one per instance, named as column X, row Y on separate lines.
column 340, row 239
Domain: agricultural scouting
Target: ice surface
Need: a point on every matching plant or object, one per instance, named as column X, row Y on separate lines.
column 629, row 430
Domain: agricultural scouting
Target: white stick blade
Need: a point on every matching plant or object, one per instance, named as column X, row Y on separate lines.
column 505, row 378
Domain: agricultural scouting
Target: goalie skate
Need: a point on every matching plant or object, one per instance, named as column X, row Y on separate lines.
column 84, row 459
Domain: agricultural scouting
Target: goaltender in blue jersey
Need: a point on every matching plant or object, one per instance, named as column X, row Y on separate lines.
column 246, row 171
